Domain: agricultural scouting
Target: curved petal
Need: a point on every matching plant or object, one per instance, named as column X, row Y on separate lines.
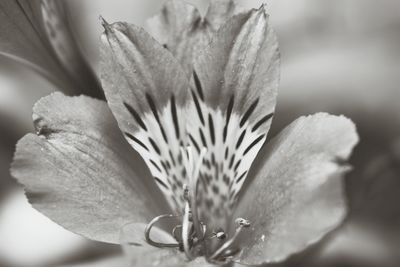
column 295, row 195
column 139, row 253
column 146, row 90
column 235, row 85
column 37, row 33
column 80, row 172
column 180, row 28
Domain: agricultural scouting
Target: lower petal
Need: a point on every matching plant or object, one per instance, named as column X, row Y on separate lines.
column 295, row 195
column 80, row 172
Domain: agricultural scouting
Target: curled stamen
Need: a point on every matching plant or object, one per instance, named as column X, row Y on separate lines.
column 242, row 223
column 148, row 229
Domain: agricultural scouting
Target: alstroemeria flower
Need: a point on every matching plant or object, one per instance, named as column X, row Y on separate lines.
column 191, row 170
column 37, row 33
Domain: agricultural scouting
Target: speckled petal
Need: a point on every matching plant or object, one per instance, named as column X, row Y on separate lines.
column 80, row 172
column 295, row 195
column 234, row 90
column 147, row 91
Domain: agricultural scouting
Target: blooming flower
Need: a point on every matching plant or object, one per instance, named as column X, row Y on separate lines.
column 197, row 123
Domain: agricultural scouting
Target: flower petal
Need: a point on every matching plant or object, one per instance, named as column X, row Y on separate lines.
column 36, row 32
column 220, row 11
column 140, row 253
column 235, row 89
column 180, row 28
column 295, row 194
column 146, row 90
column 80, row 172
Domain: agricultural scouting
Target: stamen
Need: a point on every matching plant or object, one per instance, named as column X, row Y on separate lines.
column 185, row 232
column 193, row 177
column 242, row 223
column 148, row 229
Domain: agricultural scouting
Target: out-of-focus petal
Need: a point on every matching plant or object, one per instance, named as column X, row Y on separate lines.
column 374, row 198
column 146, row 90
column 235, row 84
column 180, row 28
column 139, row 253
column 220, row 11
column 80, row 172
column 295, row 194
column 37, row 33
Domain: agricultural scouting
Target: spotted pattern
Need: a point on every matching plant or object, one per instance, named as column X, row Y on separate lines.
column 232, row 141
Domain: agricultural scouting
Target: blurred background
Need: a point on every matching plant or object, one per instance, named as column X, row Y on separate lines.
column 338, row 56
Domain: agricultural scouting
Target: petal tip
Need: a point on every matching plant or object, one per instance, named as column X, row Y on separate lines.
column 104, row 23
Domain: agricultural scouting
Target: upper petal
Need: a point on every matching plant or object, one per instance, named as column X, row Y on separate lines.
column 146, row 90
column 37, row 33
column 295, row 194
column 180, row 28
column 220, row 11
column 80, row 172
column 235, row 84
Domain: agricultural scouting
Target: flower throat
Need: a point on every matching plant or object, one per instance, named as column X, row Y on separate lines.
column 191, row 235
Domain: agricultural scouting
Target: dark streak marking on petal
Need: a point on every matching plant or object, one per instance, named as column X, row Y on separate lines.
column 248, row 113
column 155, row 113
column 165, row 167
column 237, row 165
column 137, row 141
column 263, row 120
column 213, row 158
column 161, row 183
column 154, row 145
column 155, row 165
column 198, row 85
column 240, row 140
column 228, row 117
column 174, row 116
column 253, row 144
column 135, row 115
column 203, row 139
column 194, row 143
column 241, row 177
column 211, row 128
column 226, row 153
column 198, row 108
column 231, row 161
column 172, row 158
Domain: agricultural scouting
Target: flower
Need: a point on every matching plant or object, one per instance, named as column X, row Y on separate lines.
column 194, row 143
column 37, row 34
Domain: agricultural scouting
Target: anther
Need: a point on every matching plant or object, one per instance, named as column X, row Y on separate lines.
column 242, row 223
column 219, row 234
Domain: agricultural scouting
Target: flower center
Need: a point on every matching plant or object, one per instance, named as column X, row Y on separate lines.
column 191, row 235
